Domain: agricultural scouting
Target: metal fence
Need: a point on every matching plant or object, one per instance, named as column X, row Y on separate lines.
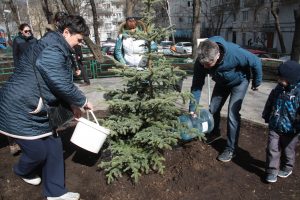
column 93, row 68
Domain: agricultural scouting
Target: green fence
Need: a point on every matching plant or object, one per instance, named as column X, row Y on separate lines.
column 93, row 68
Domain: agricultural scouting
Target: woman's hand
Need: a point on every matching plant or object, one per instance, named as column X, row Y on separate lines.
column 76, row 111
column 88, row 106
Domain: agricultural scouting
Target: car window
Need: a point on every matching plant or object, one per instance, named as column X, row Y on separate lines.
column 166, row 43
column 187, row 44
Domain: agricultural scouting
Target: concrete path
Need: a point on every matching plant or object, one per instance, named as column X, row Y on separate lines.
column 251, row 109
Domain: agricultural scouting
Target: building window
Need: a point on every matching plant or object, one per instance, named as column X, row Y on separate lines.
column 245, row 15
column 180, row 19
column 119, row 15
column 190, row 3
column 190, row 20
column 242, row 3
column 244, row 39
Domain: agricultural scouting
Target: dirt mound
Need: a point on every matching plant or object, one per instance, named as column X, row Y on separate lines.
column 192, row 172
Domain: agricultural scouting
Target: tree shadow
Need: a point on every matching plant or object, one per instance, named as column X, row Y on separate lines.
column 3, row 141
column 243, row 159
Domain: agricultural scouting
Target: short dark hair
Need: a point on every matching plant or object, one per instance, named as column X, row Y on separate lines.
column 75, row 24
column 59, row 16
column 22, row 26
column 207, row 51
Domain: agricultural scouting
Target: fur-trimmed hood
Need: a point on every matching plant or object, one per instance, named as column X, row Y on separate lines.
column 139, row 26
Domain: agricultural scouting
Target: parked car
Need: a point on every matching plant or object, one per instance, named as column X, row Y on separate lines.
column 108, row 48
column 184, row 47
column 164, row 45
column 110, row 51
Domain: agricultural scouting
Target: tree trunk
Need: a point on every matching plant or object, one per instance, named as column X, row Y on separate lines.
column 14, row 11
column 129, row 7
column 95, row 22
column 170, row 19
column 93, row 47
column 274, row 11
column 295, row 55
column 47, row 12
column 196, row 25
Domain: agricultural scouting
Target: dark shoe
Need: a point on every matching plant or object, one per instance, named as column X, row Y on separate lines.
column 84, row 84
column 212, row 137
column 271, row 178
column 284, row 174
column 226, row 156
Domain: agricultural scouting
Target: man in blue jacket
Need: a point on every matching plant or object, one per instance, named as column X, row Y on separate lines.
column 230, row 67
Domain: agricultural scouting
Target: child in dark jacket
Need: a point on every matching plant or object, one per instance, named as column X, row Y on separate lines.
column 282, row 112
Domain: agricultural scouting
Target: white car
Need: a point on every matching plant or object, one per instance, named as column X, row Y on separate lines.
column 184, row 47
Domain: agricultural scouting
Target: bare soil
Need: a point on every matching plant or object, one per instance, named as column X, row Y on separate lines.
column 192, row 172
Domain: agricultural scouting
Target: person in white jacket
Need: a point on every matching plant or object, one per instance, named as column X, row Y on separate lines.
column 129, row 50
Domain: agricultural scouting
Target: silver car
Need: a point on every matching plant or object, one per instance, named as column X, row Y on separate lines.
column 184, row 47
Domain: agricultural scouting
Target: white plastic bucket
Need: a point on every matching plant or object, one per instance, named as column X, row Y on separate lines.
column 89, row 135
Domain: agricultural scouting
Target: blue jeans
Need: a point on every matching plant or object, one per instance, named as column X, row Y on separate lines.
column 219, row 97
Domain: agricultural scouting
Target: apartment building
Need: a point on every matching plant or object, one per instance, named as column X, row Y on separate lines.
column 245, row 22
column 181, row 15
column 250, row 22
column 110, row 15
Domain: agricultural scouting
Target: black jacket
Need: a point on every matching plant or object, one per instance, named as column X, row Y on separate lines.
column 20, row 44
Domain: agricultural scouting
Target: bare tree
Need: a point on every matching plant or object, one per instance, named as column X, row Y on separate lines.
column 295, row 55
column 196, row 25
column 130, row 4
column 217, row 16
column 47, row 12
column 93, row 47
column 170, row 19
column 14, row 10
column 275, row 11
column 95, row 22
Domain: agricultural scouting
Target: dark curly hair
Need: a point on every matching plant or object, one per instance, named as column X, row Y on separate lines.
column 75, row 24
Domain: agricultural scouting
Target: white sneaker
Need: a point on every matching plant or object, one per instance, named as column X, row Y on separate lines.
column 33, row 181
column 67, row 196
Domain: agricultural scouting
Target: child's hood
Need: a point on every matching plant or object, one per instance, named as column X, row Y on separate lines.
column 290, row 70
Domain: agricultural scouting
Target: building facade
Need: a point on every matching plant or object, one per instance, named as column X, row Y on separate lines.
column 110, row 15
column 250, row 22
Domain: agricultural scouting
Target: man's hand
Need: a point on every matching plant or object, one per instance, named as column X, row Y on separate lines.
column 77, row 72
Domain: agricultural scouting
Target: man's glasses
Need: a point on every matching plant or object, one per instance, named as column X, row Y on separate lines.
column 80, row 40
column 27, row 31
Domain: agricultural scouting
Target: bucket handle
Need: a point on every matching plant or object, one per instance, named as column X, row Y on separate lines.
column 88, row 116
